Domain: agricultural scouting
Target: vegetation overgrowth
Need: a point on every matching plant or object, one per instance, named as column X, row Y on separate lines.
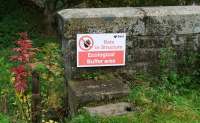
column 173, row 96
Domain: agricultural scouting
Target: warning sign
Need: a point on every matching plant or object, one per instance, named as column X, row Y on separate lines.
column 101, row 49
column 86, row 42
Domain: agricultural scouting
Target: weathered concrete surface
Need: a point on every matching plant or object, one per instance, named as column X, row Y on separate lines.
column 83, row 92
column 148, row 29
column 116, row 109
column 134, row 21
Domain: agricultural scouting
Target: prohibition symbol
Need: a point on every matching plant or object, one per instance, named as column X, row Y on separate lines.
column 86, row 42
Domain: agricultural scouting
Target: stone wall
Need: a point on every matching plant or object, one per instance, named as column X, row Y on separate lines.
column 147, row 28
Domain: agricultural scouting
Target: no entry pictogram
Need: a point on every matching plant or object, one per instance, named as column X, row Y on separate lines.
column 107, row 49
column 86, row 42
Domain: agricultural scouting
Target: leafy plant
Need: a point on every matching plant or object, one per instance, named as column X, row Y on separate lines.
column 5, row 75
column 4, row 119
column 167, row 60
column 188, row 65
column 49, row 65
column 24, row 54
column 168, row 69
column 179, row 72
column 96, row 75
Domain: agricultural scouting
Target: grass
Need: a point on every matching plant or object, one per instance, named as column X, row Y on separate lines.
column 154, row 104
column 15, row 18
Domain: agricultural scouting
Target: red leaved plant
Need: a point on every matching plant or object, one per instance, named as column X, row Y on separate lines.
column 23, row 55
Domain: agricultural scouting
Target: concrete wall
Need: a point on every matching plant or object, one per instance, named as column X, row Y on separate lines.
column 147, row 30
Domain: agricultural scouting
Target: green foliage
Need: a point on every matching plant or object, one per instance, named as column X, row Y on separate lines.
column 175, row 99
column 41, row 68
column 4, row 119
column 15, row 18
column 98, row 75
column 84, row 117
column 5, row 74
column 6, row 88
column 89, row 75
column 49, row 65
column 163, row 105
column 153, row 104
column 167, row 59
column 169, row 99
column 188, row 65
column 179, row 72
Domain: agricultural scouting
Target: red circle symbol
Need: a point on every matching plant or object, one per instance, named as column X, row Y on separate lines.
column 86, row 42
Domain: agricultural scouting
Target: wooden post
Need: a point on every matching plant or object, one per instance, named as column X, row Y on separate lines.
column 36, row 99
column 4, row 103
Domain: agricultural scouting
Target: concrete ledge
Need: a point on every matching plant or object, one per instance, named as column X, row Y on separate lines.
column 83, row 92
column 137, row 21
column 116, row 109
column 128, row 12
column 148, row 29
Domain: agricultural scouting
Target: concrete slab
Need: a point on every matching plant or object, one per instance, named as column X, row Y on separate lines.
column 83, row 92
column 116, row 109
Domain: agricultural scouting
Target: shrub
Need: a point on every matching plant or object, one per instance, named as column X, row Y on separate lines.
column 49, row 65
column 4, row 119
column 22, row 72
column 179, row 71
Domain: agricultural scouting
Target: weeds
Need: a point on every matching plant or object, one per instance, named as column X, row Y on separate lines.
column 167, row 99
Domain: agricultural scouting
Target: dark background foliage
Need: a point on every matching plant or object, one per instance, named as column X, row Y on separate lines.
column 25, row 15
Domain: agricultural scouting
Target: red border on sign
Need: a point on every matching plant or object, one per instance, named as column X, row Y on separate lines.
column 81, row 39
